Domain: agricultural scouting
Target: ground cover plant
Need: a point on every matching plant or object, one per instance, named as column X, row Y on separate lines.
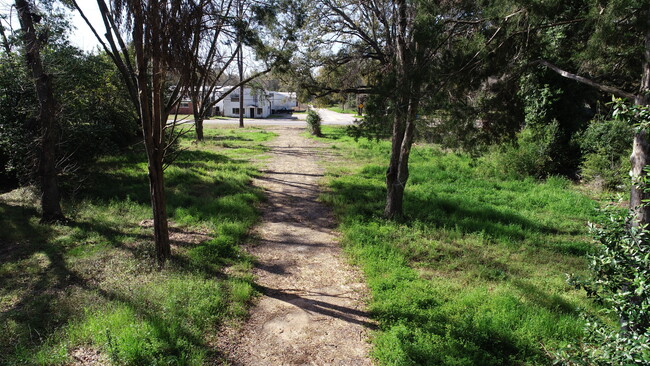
column 475, row 272
column 90, row 290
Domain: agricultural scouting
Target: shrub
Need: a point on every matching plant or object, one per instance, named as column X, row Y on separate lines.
column 620, row 268
column 313, row 122
column 606, row 146
column 529, row 156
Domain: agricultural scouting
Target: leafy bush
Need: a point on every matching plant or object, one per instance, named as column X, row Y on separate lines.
column 620, row 271
column 606, row 147
column 530, row 156
column 313, row 122
column 95, row 115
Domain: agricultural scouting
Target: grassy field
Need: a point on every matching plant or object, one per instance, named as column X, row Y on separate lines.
column 90, row 290
column 475, row 272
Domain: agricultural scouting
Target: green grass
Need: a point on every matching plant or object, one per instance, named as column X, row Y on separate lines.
column 475, row 272
column 93, row 285
column 181, row 117
column 341, row 110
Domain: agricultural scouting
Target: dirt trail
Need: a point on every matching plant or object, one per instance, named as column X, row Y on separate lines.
column 311, row 311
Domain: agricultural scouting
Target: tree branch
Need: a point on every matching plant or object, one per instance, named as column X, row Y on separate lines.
column 581, row 79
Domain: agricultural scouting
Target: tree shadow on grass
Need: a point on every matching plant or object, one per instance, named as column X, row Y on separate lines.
column 43, row 308
column 365, row 200
column 40, row 310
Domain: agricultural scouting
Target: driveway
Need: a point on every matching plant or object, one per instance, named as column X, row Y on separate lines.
column 329, row 118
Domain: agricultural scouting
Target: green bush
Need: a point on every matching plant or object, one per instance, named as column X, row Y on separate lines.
column 610, row 172
column 606, row 146
column 531, row 155
column 620, row 269
column 313, row 122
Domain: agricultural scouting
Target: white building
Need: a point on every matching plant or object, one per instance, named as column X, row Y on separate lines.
column 282, row 101
column 256, row 103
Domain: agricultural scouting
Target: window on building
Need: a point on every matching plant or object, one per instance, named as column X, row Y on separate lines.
column 235, row 111
column 185, row 104
column 259, row 111
column 234, row 98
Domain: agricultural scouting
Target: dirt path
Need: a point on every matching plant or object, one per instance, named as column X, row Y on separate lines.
column 311, row 312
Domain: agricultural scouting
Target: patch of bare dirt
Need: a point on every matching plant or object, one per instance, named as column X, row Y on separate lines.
column 312, row 310
column 85, row 356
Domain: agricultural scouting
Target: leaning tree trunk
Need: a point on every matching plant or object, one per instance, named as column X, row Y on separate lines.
column 46, row 123
column 641, row 148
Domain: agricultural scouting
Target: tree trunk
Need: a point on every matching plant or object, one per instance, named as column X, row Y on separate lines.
column 398, row 169
column 198, row 124
column 198, row 112
column 160, row 225
column 46, row 123
column 240, row 65
column 153, row 121
column 640, row 157
column 395, row 191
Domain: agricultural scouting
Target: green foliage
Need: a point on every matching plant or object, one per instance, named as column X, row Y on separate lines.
column 95, row 114
column 619, row 279
column 606, row 146
column 313, row 122
column 475, row 273
column 16, row 100
column 531, row 155
column 94, row 284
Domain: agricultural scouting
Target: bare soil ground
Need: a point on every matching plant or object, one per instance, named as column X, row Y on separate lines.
column 312, row 308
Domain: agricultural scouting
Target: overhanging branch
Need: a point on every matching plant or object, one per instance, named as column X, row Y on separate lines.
column 581, row 79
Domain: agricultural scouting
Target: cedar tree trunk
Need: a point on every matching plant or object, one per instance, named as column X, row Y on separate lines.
column 46, row 123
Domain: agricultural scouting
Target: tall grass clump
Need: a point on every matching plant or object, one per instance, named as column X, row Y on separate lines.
column 475, row 272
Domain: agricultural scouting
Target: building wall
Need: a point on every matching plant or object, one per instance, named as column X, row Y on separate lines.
column 283, row 101
column 185, row 107
column 259, row 103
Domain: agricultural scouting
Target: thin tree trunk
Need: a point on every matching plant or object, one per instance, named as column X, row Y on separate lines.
column 198, row 113
column 198, row 123
column 240, row 65
column 46, row 123
column 160, row 225
column 640, row 157
column 395, row 191
column 151, row 115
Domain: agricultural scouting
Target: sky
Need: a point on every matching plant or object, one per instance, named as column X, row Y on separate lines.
column 81, row 36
